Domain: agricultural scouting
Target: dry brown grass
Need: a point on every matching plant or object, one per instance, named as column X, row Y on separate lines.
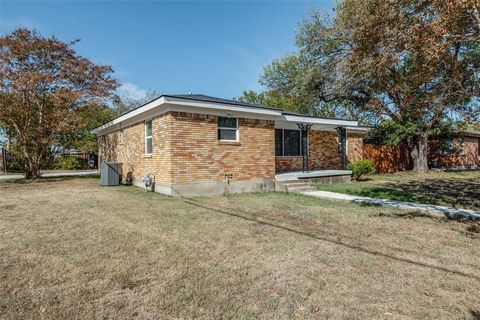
column 71, row 249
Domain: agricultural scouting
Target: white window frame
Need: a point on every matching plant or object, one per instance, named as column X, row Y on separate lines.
column 283, row 142
column 148, row 137
column 237, row 136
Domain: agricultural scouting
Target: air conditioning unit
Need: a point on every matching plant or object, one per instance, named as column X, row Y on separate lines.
column 110, row 173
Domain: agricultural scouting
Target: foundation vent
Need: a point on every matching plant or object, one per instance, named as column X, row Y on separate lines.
column 228, row 177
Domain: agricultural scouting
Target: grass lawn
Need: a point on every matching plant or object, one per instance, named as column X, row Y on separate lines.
column 452, row 189
column 72, row 249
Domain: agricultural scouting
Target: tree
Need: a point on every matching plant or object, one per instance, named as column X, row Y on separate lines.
column 87, row 118
column 413, row 64
column 125, row 104
column 43, row 84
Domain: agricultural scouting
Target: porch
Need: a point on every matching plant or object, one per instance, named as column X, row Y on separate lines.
column 298, row 181
column 299, row 175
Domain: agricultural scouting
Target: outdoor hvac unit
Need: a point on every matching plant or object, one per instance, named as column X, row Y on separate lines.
column 110, row 173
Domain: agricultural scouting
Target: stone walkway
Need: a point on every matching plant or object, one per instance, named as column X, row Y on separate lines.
column 450, row 213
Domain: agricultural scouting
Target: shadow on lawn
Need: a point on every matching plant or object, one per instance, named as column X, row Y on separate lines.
column 453, row 193
column 337, row 241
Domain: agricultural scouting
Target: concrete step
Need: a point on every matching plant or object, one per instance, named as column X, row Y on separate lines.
column 296, row 181
column 300, row 188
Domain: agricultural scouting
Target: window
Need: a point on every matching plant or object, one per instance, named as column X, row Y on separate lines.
column 148, row 137
column 289, row 143
column 227, row 129
column 446, row 147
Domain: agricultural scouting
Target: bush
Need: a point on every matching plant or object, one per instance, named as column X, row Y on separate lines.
column 360, row 168
column 67, row 163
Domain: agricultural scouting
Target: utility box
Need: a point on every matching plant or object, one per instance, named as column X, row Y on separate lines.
column 110, row 173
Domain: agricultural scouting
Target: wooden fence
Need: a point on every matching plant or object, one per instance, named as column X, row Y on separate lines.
column 387, row 159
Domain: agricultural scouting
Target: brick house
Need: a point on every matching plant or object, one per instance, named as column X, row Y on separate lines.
column 460, row 149
column 200, row 145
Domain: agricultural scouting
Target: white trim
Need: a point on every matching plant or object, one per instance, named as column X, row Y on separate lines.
column 145, row 137
column 357, row 129
column 165, row 104
column 291, row 118
column 236, row 129
column 149, row 106
column 221, row 106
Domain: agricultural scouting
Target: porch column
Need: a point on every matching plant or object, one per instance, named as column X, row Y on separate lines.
column 304, row 129
column 342, row 146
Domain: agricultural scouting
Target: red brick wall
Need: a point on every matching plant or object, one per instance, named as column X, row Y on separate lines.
column 323, row 152
column 468, row 158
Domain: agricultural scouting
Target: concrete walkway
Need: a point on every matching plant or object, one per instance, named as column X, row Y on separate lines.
column 450, row 213
column 52, row 174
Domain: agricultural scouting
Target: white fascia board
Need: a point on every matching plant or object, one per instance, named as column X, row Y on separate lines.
column 358, row 129
column 184, row 105
column 221, row 106
column 136, row 112
column 320, row 121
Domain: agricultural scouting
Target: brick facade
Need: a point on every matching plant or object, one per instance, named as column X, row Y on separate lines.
column 128, row 147
column 467, row 156
column 186, row 151
column 198, row 156
column 323, row 152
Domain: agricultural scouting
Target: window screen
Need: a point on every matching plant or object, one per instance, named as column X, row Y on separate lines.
column 148, row 137
column 291, row 142
column 227, row 129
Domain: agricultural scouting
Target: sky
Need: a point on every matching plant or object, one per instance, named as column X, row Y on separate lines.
column 214, row 48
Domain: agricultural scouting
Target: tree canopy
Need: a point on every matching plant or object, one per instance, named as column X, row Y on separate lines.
column 410, row 66
column 43, row 85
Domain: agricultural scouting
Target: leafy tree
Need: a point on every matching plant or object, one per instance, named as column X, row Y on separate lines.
column 87, row 118
column 43, row 84
column 125, row 104
column 419, row 60
column 413, row 64
column 268, row 98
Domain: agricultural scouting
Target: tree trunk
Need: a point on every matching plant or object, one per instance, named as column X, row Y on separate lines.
column 419, row 154
column 31, row 165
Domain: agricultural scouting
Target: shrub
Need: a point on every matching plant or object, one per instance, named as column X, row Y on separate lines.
column 360, row 168
column 67, row 163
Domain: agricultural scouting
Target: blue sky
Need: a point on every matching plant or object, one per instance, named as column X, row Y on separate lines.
column 215, row 48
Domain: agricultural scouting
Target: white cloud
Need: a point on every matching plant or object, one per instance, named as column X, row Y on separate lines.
column 130, row 90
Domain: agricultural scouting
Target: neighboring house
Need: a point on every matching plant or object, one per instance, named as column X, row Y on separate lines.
column 460, row 149
column 200, row 145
